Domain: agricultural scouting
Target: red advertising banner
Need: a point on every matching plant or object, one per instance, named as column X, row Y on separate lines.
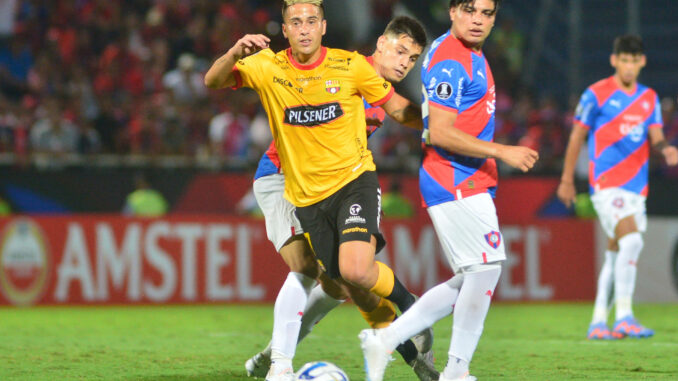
column 106, row 259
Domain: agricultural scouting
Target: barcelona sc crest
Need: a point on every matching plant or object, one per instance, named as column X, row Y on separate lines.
column 493, row 238
column 332, row 86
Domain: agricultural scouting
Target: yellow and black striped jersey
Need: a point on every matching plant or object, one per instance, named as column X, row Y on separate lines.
column 317, row 116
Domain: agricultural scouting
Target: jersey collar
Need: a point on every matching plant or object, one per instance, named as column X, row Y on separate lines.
column 323, row 53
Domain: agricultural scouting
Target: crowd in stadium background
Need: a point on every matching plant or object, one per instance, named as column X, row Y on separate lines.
column 98, row 76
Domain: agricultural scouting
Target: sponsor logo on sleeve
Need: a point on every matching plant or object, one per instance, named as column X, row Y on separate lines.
column 444, row 90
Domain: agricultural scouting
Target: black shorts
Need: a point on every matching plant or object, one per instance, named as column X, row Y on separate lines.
column 350, row 214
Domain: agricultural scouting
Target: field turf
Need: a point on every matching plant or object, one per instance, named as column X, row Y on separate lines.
column 521, row 342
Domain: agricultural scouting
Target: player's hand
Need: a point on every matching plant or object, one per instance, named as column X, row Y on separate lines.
column 519, row 157
column 249, row 44
column 670, row 155
column 373, row 122
column 567, row 193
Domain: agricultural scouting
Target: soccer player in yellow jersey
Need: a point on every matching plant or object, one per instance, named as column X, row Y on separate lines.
column 313, row 96
column 395, row 55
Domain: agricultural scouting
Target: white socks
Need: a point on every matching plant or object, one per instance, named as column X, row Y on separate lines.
column 319, row 304
column 630, row 246
column 605, row 289
column 434, row 305
column 287, row 313
column 471, row 309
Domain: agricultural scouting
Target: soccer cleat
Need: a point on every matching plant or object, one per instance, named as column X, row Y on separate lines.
column 630, row 327
column 466, row 377
column 424, row 368
column 280, row 374
column 423, row 340
column 599, row 331
column 257, row 366
column 375, row 355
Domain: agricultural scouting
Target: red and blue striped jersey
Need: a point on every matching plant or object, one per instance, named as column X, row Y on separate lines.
column 618, row 123
column 459, row 80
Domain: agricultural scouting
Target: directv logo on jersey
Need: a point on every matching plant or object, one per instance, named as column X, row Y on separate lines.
column 311, row 116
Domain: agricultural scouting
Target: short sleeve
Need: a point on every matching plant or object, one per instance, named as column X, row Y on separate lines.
column 445, row 84
column 248, row 71
column 587, row 109
column 656, row 120
column 375, row 89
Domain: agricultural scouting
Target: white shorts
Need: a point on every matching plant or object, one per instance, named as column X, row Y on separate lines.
column 468, row 230
column 281, row 222
column 615, row 204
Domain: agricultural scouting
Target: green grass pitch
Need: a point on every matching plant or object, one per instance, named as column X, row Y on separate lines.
column 521, row 342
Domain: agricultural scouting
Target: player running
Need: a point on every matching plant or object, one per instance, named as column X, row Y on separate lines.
column 618, row 114
column 396, row 53
column 313, row 96
column 458, row 178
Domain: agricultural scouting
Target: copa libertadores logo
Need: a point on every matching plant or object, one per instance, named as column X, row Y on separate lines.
column 24, row 264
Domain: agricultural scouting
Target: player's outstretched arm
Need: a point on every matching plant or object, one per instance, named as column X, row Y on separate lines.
column 566, row 190
column 220, row 75
column 443, row 134
column 404, row 111
column 660, row 144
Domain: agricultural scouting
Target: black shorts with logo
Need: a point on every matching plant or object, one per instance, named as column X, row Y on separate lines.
column 350, row 214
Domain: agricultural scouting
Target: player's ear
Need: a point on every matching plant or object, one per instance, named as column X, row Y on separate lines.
column 643, row 60
column 613, row 60
column 324, row 26
column 380, row 42
column 284, row 31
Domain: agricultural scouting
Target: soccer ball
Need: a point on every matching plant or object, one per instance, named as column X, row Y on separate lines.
column 321, row 371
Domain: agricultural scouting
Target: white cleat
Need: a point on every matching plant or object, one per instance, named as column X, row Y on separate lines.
column 280, row 374
column 375, row 354
column 424, row 368
column 466, row 377
column 258, row 365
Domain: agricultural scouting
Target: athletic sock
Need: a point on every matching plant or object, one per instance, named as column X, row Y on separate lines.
column 388, row 286
column 630, row 246
column 471, row 309
column 381, row 317
column 318, row 305
column 287, row 313
column 434, row 305
column 605, row 288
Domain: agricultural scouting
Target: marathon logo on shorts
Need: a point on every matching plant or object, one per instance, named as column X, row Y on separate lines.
column 354, row 230
column 493, row 239
column 311, row 116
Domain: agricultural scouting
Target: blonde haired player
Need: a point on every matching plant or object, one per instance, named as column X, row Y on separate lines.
column 313, row 96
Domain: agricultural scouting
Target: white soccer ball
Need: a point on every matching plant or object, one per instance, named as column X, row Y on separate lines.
column 321, row 371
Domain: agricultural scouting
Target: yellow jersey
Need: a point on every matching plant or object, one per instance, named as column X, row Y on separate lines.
column 317, row 116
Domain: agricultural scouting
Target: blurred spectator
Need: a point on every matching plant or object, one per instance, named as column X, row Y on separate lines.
column 7, row 15
column 16, row 60
column 53, row 134
column 185, row 82
column 145, row 201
